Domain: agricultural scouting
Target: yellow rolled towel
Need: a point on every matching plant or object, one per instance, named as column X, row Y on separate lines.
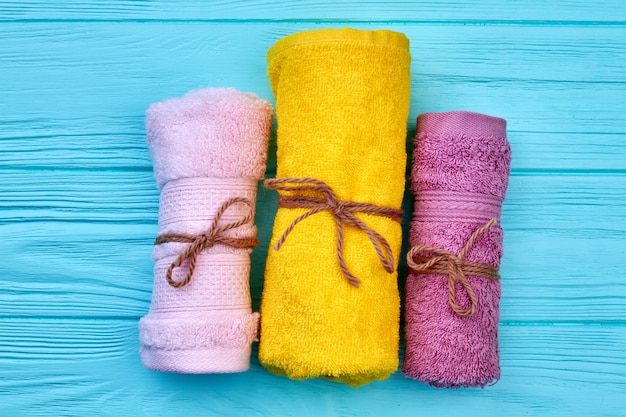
column 342, row 102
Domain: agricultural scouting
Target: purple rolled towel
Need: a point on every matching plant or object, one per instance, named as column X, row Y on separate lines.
column 461, row 166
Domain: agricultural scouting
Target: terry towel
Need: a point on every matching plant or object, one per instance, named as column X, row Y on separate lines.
column 460, row 172
column 342, row 100
column 209, row 150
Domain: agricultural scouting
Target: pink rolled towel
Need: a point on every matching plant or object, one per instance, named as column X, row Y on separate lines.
column 461, row 166
column 209, row 150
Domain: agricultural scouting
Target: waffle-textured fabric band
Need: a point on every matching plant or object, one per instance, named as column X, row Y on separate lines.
column 460, row 172
column 209, row 151
column 442, row 206
column 342, row 100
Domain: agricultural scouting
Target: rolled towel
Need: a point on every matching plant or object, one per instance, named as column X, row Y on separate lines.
column 209, row 150
column 330, row 304
column 461, row 166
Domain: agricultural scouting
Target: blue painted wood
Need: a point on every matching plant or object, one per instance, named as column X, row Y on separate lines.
column 520, row 11
column 78, row 205
column 110, row 219
column 90, row 367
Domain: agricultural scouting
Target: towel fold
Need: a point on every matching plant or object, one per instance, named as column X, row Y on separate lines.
column 461, row 166
column 209, row 150
column 342, row 100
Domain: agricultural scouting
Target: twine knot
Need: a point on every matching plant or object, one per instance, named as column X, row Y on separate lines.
column 213, row 236
column 338, row 207
column 456, row 267
column 321, row 197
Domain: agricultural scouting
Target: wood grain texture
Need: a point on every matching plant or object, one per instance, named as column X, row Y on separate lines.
column 91, row 367
column 99, row 79
column 52, row 147
column 576, row 11
column 78, row 204
column 94, row 233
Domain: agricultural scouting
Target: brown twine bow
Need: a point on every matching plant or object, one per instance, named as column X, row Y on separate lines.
column 343, row 212
column 455, row 267
column 213, row 236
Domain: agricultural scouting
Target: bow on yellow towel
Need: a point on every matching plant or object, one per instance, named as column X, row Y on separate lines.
column 342, row 101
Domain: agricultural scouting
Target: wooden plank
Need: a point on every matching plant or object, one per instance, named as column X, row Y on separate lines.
column 81, row 245
column 110, row 54
column 92, row 92
column 99, row 196
column 567, row 151
column 93, row 368
column 48, row 150
column 321, row 10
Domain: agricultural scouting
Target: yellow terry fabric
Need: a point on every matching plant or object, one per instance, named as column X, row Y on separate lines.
column 342, row 102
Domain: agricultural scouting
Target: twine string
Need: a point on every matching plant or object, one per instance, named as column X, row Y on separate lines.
column 213, row 235
column 456, row 267
column 343, row 213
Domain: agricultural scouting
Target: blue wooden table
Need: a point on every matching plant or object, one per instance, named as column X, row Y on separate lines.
column 78, row 204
